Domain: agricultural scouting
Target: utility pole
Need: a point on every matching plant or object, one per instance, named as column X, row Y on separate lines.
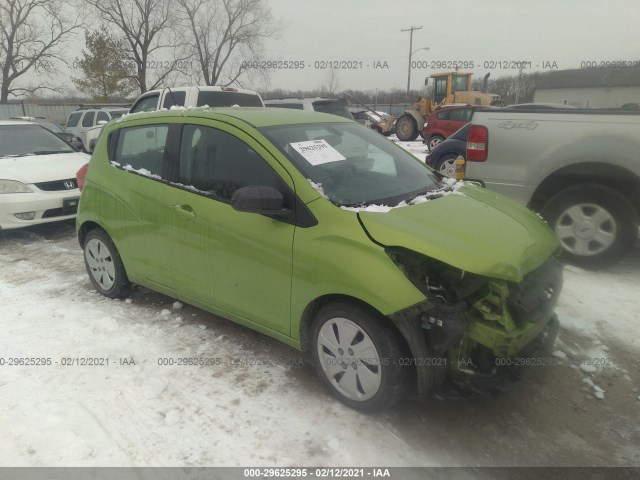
column 410, row 30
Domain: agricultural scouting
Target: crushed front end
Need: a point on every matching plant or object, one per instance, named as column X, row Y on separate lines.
column 472, row 329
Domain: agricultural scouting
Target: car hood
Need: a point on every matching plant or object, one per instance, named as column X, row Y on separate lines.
column 472, row 229
column 42, row 168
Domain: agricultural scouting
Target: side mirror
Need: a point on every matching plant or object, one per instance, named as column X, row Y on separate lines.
column 259, row 199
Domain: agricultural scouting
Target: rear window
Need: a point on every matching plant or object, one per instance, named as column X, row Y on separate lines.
column 228, row 99
column 297, row 106
column 73, row 119
column 334, row 107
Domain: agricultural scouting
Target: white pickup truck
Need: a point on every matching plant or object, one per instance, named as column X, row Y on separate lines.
column 580, row 168
column 194, row 96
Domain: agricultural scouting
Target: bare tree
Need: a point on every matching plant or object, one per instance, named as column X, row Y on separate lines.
column 32, row 33
column 148, row 29
column 226, row 36
column 332, row 84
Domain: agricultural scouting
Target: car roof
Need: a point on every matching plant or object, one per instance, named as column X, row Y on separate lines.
column 299, row 99
column 203, row 88
column 254, row 116
column 16, row 122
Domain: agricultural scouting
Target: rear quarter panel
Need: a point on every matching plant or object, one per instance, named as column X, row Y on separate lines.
column 526, row 147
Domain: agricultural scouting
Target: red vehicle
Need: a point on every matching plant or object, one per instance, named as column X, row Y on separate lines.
column 444, row 122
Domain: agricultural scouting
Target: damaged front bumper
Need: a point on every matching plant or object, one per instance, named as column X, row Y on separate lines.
column 481, row 339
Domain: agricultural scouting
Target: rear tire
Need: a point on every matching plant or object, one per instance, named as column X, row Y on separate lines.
column 104, row 266
column 406, row 128
column 446, row 165
column 357, row 356
column 596, row 225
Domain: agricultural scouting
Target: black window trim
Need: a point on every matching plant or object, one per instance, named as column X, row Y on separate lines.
column 300, row 215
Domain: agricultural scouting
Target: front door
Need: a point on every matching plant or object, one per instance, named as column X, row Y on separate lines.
column 234, row 261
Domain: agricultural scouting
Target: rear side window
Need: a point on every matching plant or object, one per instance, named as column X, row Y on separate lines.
column 102, row 116
column 141, row 149
column 87, row 120
column 146, row 104
column 73, row 119
column 228, row 99
column 174, row 98
column 461, row 115
column 217, row 163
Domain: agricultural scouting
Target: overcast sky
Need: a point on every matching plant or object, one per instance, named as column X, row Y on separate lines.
column 557, row 33
column 566, row 32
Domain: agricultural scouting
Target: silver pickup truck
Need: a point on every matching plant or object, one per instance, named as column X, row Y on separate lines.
column 580, row 168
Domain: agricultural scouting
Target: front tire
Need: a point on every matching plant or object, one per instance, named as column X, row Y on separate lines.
column 406, row 128
column 104, row 266
column 434, row 141
column 595, row 224
column 357, row 357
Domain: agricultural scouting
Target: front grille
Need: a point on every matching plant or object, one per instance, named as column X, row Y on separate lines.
column 535, row 297
column 59, row 212
column 58, row 185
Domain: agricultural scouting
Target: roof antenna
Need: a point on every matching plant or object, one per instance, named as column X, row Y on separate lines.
column 173, row 97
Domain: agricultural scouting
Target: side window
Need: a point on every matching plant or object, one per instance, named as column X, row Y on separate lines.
column 74, row 118
column 142, row 149
column 218, row 163
column 102, row 116
column 146, row 104
column 174, row 98
column 444, row 115
column 461, row 115
column 87, row 120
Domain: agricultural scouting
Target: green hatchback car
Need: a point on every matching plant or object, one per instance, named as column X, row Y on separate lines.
column 325, row 235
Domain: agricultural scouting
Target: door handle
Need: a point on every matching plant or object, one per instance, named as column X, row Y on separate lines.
column 184, row 211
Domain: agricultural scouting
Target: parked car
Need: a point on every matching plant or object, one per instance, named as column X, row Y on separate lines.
column 321, row 233
column 37, row 175
column 445, row 121
column 196, row 96
column 443, row 156
column 369, row 119
column 56, row 129
column 80, row 121
column 334, row 106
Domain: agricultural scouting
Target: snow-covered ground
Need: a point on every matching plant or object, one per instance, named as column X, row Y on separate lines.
column 254, row 404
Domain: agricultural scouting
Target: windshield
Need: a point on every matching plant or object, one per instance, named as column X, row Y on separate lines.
column 22, row 140
column 353, row 165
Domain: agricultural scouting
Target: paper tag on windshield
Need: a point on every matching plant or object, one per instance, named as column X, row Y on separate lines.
column 317, row 152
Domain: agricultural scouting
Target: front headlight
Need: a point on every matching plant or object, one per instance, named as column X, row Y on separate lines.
column 12, row 186
column 433, row 278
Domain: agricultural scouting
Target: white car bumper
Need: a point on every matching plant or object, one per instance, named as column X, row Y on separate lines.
column 46, row 207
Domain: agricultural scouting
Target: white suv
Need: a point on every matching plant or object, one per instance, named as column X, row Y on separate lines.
column 80, row 121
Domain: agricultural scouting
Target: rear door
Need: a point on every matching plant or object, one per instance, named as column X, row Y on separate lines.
column 144, row 220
